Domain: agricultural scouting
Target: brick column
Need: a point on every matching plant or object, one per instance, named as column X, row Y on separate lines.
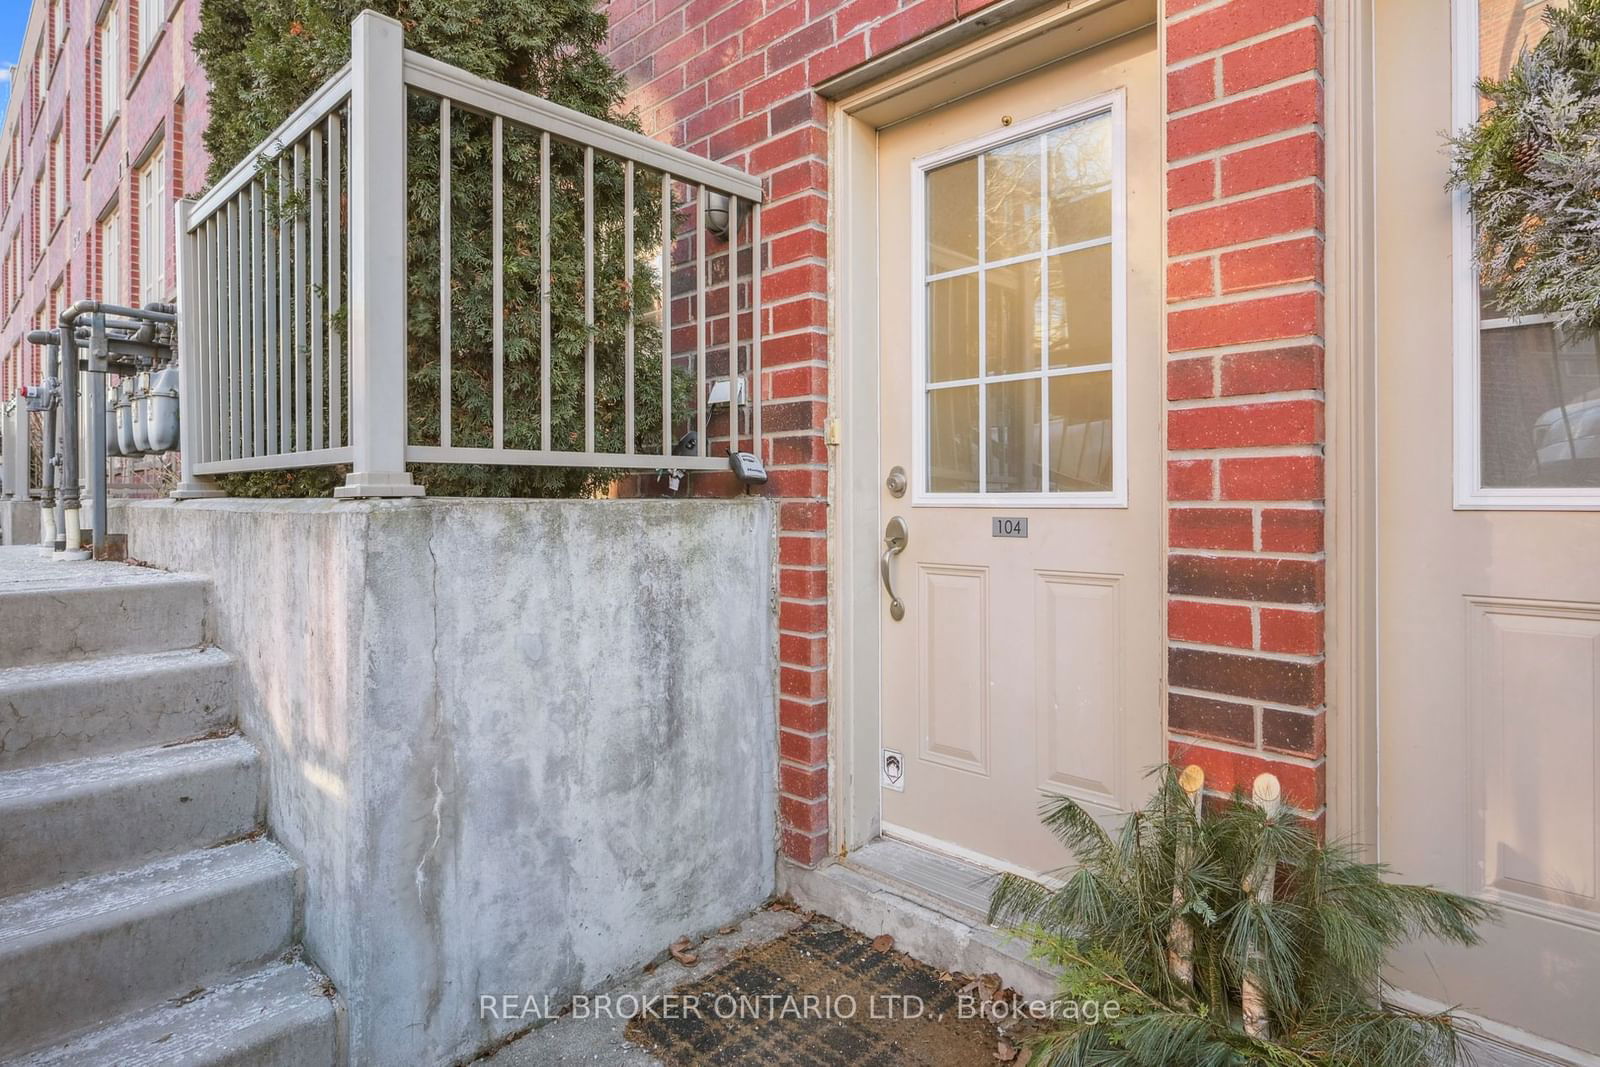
column 1244, row 389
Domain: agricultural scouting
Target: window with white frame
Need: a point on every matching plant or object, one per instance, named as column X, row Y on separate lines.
column 1019, row 363
column 149, row 24
column 153, row 207
column 109, row 42
column 1527, row 392
column 58, row 20
column 110, row 248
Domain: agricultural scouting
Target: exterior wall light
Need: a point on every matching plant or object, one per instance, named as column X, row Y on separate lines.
column 717, row 214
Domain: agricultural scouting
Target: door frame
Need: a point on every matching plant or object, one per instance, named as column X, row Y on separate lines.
column 1349, row 382
column 1024, row 37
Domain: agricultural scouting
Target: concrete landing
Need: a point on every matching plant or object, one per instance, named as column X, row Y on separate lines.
column 599, row 1039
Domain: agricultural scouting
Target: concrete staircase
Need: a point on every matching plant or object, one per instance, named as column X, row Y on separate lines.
column 144, row 916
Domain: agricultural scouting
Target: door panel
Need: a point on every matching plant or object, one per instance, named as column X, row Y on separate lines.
column 1489, row 618
column 1020, row 380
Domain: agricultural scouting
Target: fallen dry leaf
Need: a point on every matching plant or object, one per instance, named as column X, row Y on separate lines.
column 727, row 929
column 1005, row 1051
column 989, row 985
column 680, row 952
column 882, row 943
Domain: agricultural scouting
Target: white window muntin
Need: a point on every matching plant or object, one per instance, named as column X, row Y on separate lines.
column 1111, row 104
column 1470, row 492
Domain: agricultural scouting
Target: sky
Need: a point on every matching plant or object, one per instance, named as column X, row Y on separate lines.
column 13, row 21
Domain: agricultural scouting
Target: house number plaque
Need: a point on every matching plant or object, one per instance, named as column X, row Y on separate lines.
column 1004, row 527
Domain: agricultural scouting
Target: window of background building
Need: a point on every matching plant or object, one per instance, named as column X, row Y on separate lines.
column 110, row 248
column 59, row 175
column 152, row 236
column 149, row 24
column 110, row 67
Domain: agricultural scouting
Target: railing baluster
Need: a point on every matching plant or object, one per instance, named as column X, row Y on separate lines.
column 286, row 442
column 444, row 273
column 733, row 324
column 588, row 299
column 335, row 280
column 269, row 295
column 247, row 325
column 755, row 329
column 544, row 291
column 258, row 286
column 627, row 286
column 213, row 429
column 700, row 321
column 300, row 399
column 666, row 314
column 316, row 294
column 232, row 261
column 496, row 296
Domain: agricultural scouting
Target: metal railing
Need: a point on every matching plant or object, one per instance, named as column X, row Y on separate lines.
column 295, row 272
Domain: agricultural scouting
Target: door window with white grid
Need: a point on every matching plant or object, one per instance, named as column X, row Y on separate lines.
column 1021, row 345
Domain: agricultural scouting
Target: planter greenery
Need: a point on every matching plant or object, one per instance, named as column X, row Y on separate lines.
column 1235, row 939
column 1531, row 167
column 263, row 57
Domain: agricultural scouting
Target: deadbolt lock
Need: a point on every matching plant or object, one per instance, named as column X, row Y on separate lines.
column 896, row 482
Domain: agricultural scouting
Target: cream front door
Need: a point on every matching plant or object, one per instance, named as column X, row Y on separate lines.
column 1489, row 568
column 1020, row 401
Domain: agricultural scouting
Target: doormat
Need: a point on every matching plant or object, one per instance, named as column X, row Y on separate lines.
column 823, row 995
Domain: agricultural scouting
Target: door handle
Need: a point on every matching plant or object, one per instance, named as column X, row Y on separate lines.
column 895, row 536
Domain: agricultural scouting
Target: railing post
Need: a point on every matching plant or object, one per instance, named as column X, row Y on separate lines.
column 15, row 474
column 377, row 324
column 191, row 366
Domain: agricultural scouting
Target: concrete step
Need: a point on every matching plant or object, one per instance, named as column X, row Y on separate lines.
column 74, row 611
column 279, row 1016
column 65, row 821
column 62, row 711
column 85, row 951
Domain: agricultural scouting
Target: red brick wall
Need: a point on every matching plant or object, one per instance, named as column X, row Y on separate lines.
column 732, row 80
column 1246, row 566
column 150, row 106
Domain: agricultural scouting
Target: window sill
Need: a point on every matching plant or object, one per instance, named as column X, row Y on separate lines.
column 1529, row 500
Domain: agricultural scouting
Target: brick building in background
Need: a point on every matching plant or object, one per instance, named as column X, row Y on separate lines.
column 101, row 136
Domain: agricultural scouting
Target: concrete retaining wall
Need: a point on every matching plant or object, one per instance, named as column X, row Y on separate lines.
column 520, row 746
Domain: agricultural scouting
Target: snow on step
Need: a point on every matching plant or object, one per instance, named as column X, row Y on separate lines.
column 76, row 954
column 278, row 1016
column 63, row 821
column 60, row 711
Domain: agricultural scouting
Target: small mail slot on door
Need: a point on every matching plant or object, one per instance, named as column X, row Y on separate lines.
column 1014, row 527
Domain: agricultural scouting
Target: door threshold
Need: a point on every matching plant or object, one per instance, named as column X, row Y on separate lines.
column 932, row 904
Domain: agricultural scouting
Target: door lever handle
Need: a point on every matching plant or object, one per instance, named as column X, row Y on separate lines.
column 895, row 536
